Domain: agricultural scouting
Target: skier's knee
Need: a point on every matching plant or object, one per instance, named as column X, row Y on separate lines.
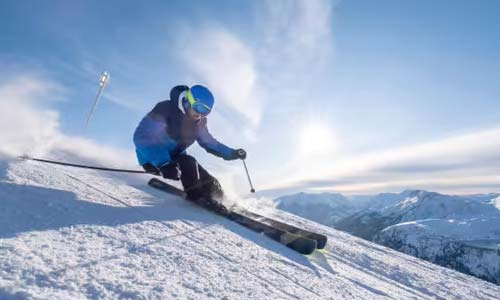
column 186, row 160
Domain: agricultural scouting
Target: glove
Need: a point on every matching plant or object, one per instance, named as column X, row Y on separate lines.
column 149, row 168
column 238, row 154
column 170, row 171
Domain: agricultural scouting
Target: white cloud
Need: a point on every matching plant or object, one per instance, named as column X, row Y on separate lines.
column 87, row 151
column 292, row 44
column 271, row 73
column 461, row 151
column 29, row 126
column 226, row 65
column 297, row 41
column 462, row 163
column 443, row 182
column 24, row 123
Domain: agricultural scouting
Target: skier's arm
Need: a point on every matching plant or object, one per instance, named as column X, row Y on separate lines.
column 210, row 144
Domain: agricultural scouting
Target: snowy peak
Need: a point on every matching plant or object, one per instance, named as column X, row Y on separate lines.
column 306, row 199
column 418, row 193
column 496, row 202
column 415, row 205
column 326, row 208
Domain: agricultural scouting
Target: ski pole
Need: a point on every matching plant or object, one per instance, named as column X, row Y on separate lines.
column 252, row 190
column 102, row 84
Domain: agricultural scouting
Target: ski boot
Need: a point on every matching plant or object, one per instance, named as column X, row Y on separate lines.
column 213, row 205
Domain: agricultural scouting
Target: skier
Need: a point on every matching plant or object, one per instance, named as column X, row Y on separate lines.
column 164, row 134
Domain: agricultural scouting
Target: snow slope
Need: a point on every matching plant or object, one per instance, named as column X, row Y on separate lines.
column 452, row 243
column 79, row 234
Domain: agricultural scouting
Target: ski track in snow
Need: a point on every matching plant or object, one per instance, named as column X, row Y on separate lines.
column 79, row 234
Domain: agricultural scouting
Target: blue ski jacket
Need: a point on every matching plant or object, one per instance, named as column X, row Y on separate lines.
column 167, row 131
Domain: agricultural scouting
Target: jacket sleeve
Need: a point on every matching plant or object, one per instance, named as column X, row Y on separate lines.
column 210, row 144
column 151, row 139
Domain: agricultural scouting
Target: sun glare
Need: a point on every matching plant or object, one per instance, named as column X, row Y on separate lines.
column 316, row 139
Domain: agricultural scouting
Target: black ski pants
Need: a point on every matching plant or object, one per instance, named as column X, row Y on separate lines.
column 197, row 182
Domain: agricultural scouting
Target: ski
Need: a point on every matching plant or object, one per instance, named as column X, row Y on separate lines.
column 293, row 241
column 301, row 244
column 319, row 238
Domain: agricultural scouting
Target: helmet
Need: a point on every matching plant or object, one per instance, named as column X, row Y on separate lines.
column 200, row 99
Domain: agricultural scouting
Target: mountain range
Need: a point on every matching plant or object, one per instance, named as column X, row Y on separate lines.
column 456, row 231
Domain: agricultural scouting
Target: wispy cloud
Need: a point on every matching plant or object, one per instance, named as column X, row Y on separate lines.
column 464, row 162
column 290, row 41
column 291, row 44
column 227, row 66
column 296, row 40
column 267, row 74
column 29, row 126
column 24, row 121
column 445, row 183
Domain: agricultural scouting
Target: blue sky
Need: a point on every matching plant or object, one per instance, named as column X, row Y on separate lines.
column 349, row 96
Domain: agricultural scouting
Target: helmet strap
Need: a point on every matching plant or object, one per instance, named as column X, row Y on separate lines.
column 185, row 103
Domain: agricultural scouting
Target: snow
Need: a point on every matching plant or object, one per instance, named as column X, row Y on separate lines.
column 496, row 202
column 470, row 245
column 424, row 205
column 463, row 229
column 327, row 208
column 68, row 233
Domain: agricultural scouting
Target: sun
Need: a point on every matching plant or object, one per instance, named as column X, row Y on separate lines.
column 316, row 139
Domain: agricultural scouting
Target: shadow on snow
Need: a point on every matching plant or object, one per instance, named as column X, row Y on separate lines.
column 26, row 208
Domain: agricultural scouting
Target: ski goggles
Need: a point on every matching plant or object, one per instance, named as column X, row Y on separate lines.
column 197, row 106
